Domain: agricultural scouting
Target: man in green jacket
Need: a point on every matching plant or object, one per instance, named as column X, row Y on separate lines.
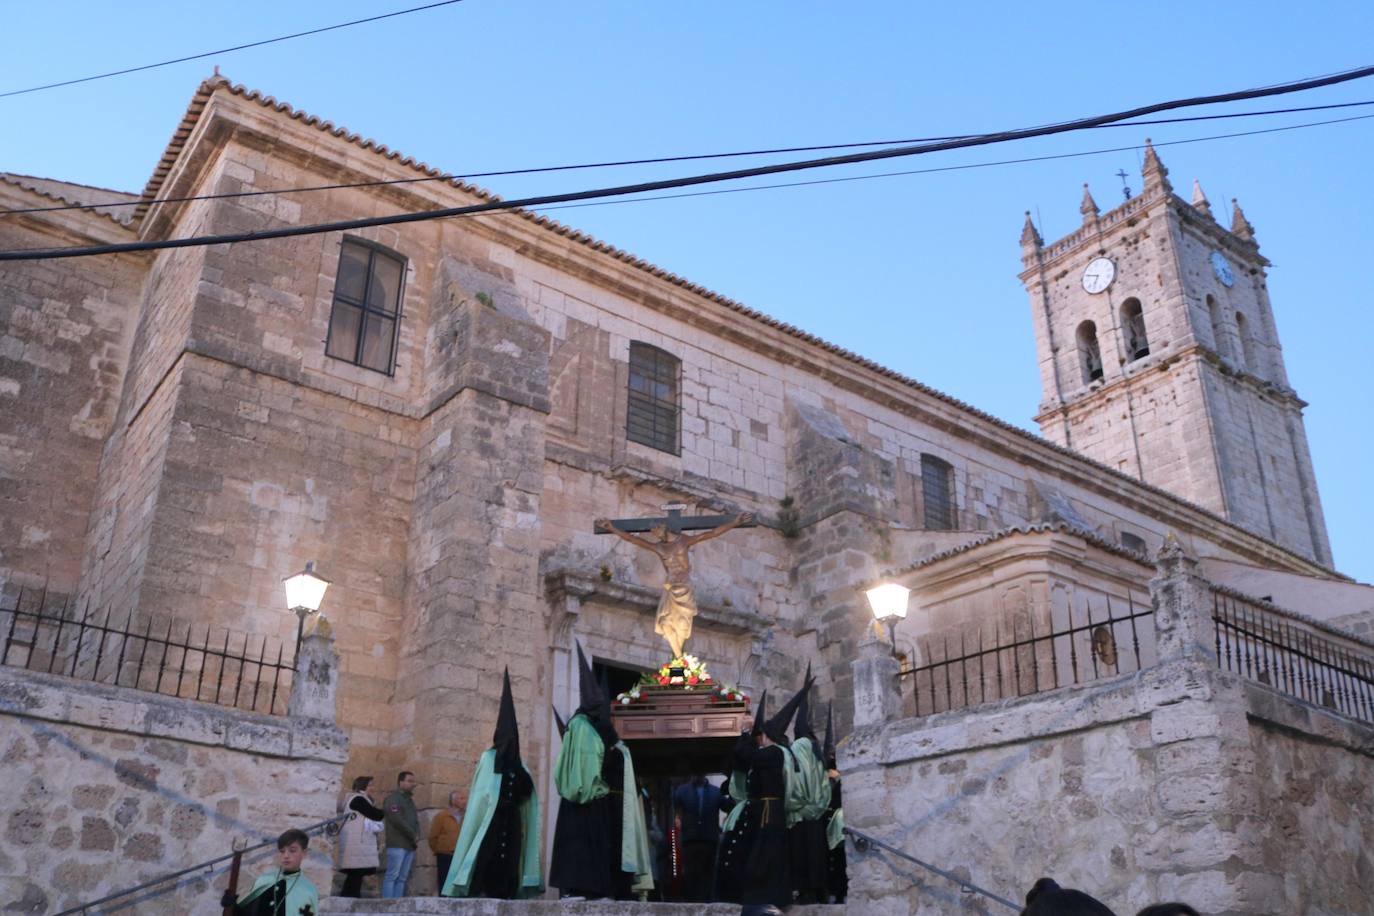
column 402, row 824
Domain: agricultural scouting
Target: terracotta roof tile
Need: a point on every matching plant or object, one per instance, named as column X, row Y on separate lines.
column 62, row 192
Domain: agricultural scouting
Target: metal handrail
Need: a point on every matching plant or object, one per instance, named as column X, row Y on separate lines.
column 862, row 839
column 206, row 865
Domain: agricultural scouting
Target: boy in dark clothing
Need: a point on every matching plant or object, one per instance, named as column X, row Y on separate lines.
column 281, row 891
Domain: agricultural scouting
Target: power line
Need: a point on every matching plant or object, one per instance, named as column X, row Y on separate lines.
column 688, row 181
column 950, row 168
column 251, row 44
column 463, row 176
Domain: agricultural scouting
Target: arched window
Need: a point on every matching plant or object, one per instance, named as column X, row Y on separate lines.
column 1218, row 332
column 1089, row 354
column 1247, row 343
column 937, row 494
column 1133, row 326
column 652, row 415
column 367, row 306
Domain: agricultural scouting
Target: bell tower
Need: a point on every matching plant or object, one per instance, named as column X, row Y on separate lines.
column 1159, row 358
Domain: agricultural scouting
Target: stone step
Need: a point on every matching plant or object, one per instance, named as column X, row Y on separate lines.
column 438, row 906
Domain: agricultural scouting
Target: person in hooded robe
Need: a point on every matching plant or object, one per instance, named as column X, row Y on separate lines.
column 837, row 865
column 497, row 854
column 756, row 866
column 806, row 831
column 1047, row 898
column 600, row 840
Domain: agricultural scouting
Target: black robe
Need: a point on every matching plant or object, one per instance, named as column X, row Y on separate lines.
column 755, row 866
column 838, row 871
column 496, row 869
column 586, row 840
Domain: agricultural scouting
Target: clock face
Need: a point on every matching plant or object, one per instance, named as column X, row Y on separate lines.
column 1222, row 268
column 1099, row 274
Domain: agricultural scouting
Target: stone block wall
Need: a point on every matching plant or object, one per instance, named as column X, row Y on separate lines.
column 111, row 787
column 64, row 342
column 1178, row 782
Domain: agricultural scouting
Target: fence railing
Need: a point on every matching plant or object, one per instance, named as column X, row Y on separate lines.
column 1271, row 648
column 172, row 657
column 1082, row 645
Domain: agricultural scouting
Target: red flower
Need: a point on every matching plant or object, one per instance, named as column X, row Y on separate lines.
column 663, row 682
column 692, row 680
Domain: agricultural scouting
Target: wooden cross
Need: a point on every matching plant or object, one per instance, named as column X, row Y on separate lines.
column 674, row 521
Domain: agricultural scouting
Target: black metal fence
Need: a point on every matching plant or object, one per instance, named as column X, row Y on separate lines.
column 1075, row 646
column 169, row 657
column 1290, row 656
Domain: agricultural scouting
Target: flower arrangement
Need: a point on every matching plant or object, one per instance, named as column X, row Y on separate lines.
column 686, row 672
column 728, row 694
column 630, row 696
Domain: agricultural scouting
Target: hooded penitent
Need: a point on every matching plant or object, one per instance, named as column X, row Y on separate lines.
column 558, row 720
column 776, row 727
column 829, row 749
column 760, row 715
column 506, row 738
column 802, row 728
column 592, row 700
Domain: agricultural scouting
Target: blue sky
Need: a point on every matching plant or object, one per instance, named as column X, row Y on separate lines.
column 917, row 272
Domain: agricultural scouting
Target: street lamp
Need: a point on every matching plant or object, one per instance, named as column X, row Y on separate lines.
column 889, row 602
column 304, row 592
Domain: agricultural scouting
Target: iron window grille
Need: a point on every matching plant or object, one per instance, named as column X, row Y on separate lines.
column 366, row 314
column 652, row 417
column 937, row 492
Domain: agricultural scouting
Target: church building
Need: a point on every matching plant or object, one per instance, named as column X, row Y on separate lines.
column 434, row 414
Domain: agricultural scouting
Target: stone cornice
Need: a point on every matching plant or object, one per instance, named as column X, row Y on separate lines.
column 592, row 587
column 1162, row 362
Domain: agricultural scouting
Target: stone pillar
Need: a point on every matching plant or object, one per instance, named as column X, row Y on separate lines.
column 314, row 688
column 877, row 692
column 1183, row 606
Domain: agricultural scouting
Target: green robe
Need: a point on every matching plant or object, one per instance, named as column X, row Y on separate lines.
column 814, row 788
column 301, row 896
column 482, row 798
column 577, row 774
column 739, row 792
column 834, row 831
column 634, row 835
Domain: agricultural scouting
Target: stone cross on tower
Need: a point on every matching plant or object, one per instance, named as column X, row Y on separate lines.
column 678, row 605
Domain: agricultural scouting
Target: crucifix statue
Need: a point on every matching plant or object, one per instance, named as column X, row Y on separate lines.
column 670, row 544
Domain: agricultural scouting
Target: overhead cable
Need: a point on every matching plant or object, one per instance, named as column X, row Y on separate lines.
column 251, row 44
column 687, row 181
column 533, row 170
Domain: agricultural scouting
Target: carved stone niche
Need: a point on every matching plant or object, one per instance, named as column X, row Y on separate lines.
column 615, row 620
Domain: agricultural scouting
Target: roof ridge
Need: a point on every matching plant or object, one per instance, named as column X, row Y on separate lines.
column 78, row 184
column 1092, row 537
column 210, row 85
column 93, row 209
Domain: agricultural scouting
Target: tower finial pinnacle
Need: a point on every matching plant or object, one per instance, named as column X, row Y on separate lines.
column 1089, row 206
column 1030, row 236
column 1153, row 171
column 1200, row 202
column 1240, row 226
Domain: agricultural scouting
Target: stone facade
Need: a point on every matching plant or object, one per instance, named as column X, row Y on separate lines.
column 114, row 786
column 1207, row 413
column 450, row 500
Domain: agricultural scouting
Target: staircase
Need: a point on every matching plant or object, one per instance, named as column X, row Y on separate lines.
column 437, row 906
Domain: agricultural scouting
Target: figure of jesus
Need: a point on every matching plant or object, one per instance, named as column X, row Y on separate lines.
column 678, row 605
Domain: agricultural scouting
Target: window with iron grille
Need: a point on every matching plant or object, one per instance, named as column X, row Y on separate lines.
column 937, row 493
column 652, row 417
column 367, row 307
